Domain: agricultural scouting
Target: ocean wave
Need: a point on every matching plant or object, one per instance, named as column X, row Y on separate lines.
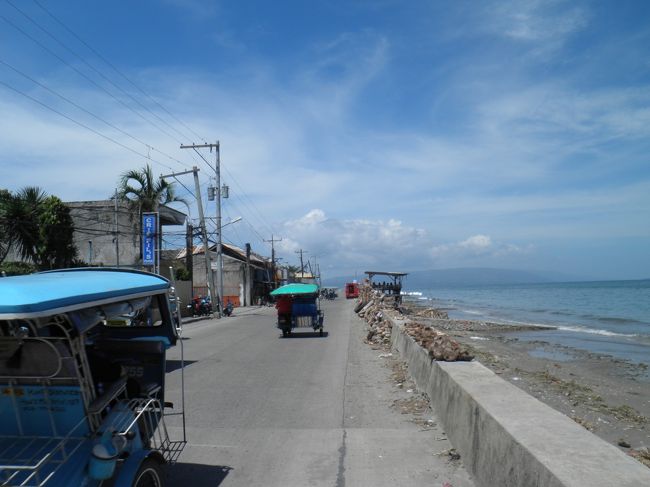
column 610, row 320
column 505, row 321
column 471, row 312
column 614, row 320
column 561, row 313
column 595, row 331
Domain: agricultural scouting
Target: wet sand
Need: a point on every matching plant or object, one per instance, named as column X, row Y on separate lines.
column 608, row 396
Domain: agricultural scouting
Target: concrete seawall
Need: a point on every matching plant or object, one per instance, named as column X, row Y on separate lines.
column 506, row 437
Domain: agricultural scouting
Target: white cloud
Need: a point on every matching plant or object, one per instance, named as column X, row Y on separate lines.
column 517, row 158
column 477, row 245
column 543, row 24
column 350, row 243
column 554, row 112
column 387, row 244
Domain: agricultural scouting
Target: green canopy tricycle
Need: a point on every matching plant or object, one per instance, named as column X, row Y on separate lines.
column 298, row 306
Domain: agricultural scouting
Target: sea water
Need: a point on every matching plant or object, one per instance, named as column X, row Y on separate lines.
column 604, row 317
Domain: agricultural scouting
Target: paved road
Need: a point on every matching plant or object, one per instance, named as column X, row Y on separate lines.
column 298, row 411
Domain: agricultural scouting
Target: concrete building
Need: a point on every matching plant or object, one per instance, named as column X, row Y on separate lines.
column 107, row 235
column 246, row 275
column 305, row 278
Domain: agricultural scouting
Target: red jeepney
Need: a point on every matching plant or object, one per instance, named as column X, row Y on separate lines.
column 351, row 290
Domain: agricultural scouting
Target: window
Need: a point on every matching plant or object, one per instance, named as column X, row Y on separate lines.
column 146, row 314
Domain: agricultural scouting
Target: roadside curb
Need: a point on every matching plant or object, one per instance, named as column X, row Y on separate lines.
column 507, row 437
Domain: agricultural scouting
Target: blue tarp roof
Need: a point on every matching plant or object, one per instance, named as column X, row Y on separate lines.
column 66, row 290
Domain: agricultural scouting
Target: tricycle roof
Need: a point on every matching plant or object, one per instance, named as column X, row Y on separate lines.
column 60, row 291
column 295, row 288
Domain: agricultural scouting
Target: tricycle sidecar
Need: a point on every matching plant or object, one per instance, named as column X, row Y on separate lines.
column 298, row 307
column 82, row 378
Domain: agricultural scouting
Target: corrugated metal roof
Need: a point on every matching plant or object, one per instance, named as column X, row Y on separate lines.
column 231, row 251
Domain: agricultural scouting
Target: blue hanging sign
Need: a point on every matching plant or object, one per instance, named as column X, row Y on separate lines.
column 149, row 238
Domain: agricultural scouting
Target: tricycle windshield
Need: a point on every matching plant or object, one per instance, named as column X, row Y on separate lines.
column 130, row 302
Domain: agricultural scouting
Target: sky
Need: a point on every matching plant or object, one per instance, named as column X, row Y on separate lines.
column 374, row 135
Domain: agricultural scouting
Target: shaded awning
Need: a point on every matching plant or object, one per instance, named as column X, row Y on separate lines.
column 170, row 216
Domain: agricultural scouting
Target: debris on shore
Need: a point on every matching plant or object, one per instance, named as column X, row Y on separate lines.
column 642, row 455
column 439, row 345
column 373, row 307
column 432, row 313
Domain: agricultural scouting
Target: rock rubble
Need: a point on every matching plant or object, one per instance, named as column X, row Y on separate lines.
column 432, row 313
column 439, row 345
column 373, row 306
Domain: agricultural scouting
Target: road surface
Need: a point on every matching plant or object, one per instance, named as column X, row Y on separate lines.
column 298, row 411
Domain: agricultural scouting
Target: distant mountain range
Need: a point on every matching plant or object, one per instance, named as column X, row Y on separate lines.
column 463, row 277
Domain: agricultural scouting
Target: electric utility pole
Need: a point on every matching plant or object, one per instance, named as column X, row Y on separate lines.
column 204, row 232
column 117, row 234
column 302, row 266
column 273, row 256
column 217, row 170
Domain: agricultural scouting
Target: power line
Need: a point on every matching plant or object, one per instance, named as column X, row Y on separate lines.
column 54, row 92
column 262, row 219
column 116, row 69
column 254, row 230
column 90, row 80
column 255, row 211
column 82, row 124
column 99, row 73
column 252, row 209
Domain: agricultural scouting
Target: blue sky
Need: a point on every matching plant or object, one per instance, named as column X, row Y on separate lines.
column 373, row 134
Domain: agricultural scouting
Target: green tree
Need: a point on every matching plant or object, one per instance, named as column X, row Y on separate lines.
column 17, row 268
column 145, row 193
column 38, row 227
column 5, row 235
column 182, row 274
column 56, row 247
column 20, row 220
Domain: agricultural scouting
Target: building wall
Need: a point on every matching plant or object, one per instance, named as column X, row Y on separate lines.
column 94, row 222
column 234, row 276
column 233, row 279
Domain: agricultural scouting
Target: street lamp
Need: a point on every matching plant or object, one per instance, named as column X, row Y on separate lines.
column 232, row 221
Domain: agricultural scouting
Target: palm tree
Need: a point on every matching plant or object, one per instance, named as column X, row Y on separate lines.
column 5, row 236
column 145, row 193
column 19, row 221
column 38, row 227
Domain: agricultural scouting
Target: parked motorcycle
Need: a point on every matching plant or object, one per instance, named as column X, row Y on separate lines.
column 200, row 307
column 227, row 311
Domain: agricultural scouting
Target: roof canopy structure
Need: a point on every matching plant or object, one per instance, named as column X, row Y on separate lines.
column 393, row 275
column 295, row 289
column 60, row 291
column 394, row 287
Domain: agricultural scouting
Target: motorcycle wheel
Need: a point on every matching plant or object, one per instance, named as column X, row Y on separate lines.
column 149, row 475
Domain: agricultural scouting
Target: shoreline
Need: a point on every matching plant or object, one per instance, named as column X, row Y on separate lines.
column 608, row 396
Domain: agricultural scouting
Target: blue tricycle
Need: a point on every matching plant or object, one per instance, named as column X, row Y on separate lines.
column 305, row 308
column 82, row 379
